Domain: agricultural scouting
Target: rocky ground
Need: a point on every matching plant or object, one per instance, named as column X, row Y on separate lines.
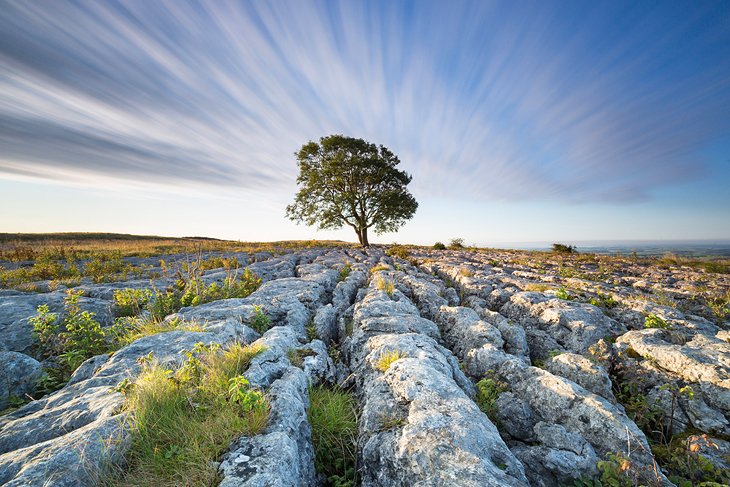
column 484, row 368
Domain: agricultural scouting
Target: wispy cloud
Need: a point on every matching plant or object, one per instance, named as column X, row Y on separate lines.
column 480, row 100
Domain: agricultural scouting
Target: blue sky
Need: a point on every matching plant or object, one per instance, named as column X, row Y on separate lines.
column 519, row 121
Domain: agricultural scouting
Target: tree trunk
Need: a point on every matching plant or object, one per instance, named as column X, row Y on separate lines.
column 364, row 240
column 359, row 235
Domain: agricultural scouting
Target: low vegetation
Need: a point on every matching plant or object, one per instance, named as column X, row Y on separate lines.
column 399, row 251
column 333, row 418
column 387, row 359
column 488, row 390
column 70, row 338
column 183, row 420
column 385, row 285
column 564, row 249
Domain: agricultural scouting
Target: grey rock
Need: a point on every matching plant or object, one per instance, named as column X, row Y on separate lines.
column 18, row 376
column 583, row 372
column 325, row 322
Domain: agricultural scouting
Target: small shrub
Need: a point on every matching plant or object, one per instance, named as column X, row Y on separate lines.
column 488, row 390
column 439, row 246
column 106, row 267
column 131, row 302
column 45, row 330
column 260, row 321
column 456, row 244
column 333, row 418
column 685, row 465
column 564, row 249
column 387, row 359
column 654, row 321
column 164, row 303
column 75, row 338
column 563, row 293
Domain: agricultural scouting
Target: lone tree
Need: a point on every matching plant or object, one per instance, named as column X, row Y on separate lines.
column 348, row 181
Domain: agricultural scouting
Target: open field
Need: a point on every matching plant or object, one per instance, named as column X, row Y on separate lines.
column 319, row 363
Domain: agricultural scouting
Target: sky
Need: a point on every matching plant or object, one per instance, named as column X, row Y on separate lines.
column 519, row 121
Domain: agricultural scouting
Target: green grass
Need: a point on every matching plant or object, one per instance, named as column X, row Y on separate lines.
column 333, row 418
column 129, row 329
column 387, row 359
column 385, row 285
column 183, row 420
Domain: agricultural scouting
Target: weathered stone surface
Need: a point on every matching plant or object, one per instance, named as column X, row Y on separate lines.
column 418, row 423
column 515, row 339
column 325, row 322
column 559, row 458
column 583, row 372
column 576, row 326
column 556, row 400
column 18, row 375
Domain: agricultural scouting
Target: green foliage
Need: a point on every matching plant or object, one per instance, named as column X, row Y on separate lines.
column 333, row 417
column 654, row 321
column 191, row 291
column 164, row 303
column 74, row 339
column 348, row 181
column 45, row 330
column 685, row 465
column 184, row 419
column 603, row 301
column 456, row 244
column 399, row 251
column 488, row 390
column 344, row 272
column 260, row 321
column 131, row 302
column 564, row 249
column 563, row 293
column 439, row 246
column 107, row 267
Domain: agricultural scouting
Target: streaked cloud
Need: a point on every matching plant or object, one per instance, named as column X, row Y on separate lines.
column 486, row 100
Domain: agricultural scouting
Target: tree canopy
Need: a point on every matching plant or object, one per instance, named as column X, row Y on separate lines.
column 348, row 181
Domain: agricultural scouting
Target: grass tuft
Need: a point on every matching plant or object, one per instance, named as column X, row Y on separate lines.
column 387, row 359
column 183, row 420
column 332, row 415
